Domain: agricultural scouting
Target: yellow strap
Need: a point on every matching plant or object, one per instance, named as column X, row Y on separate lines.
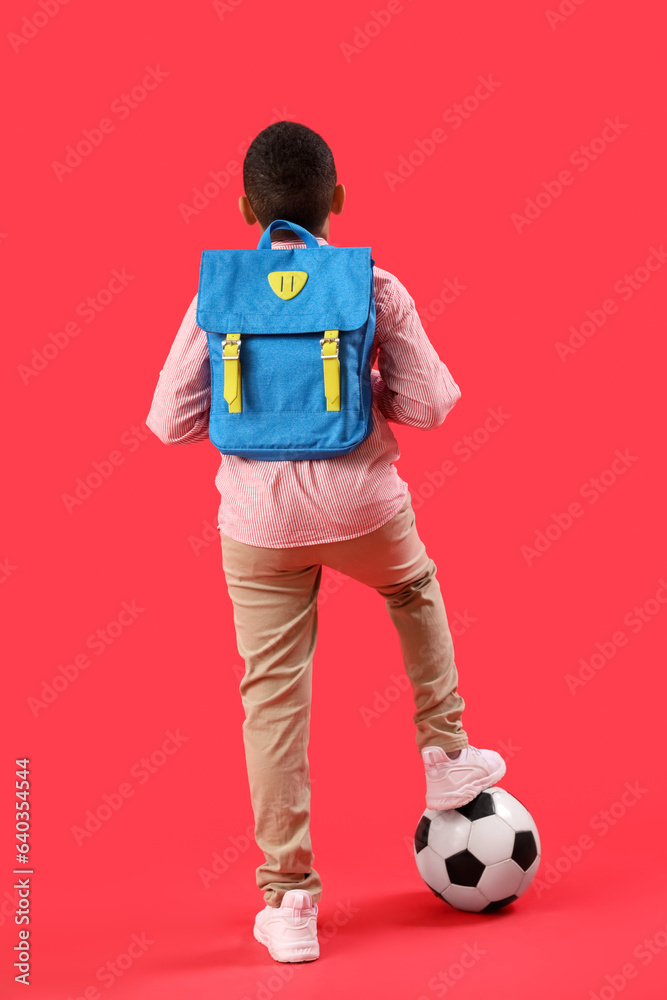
column 230, row 352
column 331, row 369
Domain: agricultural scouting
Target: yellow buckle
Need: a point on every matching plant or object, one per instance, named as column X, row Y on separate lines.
column 232, row 343
column 329, row 340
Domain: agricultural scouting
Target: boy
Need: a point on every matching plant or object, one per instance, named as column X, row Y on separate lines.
column 280, row 522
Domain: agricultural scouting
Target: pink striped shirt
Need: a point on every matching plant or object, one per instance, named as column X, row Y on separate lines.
column 289, row 503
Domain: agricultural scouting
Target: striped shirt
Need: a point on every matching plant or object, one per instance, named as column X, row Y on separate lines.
column 283, row 504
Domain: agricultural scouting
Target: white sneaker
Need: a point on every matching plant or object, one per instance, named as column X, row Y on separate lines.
column 289, row 931
column 453, row 783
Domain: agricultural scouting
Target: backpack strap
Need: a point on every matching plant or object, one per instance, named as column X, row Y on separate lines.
column 303, row 234
column 231, row 349
column 329, row 353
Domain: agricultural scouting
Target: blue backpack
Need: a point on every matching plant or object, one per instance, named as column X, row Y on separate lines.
column 289, row 335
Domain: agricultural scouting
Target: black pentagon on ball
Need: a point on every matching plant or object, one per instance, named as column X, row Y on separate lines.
column 464, row 868
column 482, row 805
column 421, row 834
column 525, row 849
column 498, row 904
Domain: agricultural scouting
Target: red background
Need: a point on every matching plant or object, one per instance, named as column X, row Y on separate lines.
column 176, row 666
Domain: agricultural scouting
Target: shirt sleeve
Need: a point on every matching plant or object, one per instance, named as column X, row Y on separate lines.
column 414, row 386
column 179, row 413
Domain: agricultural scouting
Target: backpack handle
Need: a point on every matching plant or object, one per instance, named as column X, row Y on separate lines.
column 307, row 237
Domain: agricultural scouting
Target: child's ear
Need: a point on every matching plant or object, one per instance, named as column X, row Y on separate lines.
column 338, row 199
column 246, row 211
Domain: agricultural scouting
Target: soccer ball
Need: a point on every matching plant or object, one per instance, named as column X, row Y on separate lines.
column 481, row 856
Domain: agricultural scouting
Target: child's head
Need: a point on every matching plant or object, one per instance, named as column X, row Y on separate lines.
column 289, row 173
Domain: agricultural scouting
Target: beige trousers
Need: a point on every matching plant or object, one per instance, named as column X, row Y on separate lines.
column 274, row 596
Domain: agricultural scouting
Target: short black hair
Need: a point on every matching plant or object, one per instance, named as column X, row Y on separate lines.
column 289, row 173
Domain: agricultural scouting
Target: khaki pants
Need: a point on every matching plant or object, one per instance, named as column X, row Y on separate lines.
column 274, row 595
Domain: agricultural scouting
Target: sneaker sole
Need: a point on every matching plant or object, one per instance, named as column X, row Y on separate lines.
column 461, row 797
column 302, row 953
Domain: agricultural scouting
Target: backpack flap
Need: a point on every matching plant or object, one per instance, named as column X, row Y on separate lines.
column 236, row 293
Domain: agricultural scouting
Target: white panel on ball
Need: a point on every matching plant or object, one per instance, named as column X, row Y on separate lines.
column 449, row 832
column 511, row 809
column 491, row 840
column 501, row 880
column 432, row 869
column 465, row 897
